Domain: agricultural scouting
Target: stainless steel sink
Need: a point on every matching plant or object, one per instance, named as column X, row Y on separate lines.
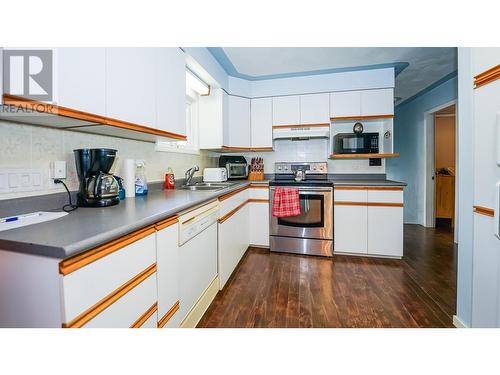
column 203, row 186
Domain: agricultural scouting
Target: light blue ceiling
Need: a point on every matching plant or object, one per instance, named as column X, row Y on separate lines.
column 416, row 68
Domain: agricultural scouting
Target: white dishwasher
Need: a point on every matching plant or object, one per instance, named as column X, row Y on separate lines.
column 197, row 254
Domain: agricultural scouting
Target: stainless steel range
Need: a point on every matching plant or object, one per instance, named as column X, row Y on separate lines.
column 311, row 232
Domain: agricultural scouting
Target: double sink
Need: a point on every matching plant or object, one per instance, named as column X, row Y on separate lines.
column 206, row 186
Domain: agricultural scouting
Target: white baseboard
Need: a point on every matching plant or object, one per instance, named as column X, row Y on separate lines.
column 458, row 323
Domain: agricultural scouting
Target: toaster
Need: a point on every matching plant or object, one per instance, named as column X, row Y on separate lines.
column 214, row 174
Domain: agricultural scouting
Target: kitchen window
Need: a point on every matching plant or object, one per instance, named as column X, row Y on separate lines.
column 191, row 145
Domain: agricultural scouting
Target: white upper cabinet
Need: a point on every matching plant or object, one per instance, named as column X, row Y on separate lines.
column 131, row 85
column 213, row 116
column 345, row 104
column 80, row 77
column 262, row 122
column 237, row 131
column 377, row 102
column 315, row 109
column 286, row 110
column 171, row 90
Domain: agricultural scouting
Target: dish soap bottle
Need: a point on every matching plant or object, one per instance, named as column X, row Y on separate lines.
column 141, row 184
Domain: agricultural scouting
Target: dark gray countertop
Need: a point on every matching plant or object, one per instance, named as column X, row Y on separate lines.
column 86, row 228
column 366, row 182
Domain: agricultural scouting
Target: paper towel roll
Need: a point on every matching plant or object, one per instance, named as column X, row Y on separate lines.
column 129, row 177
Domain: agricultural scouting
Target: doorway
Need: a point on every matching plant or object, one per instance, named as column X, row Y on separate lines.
column 445, row 166
column 441, row 161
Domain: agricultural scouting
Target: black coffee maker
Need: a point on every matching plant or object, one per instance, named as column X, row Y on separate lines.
column 98, row 187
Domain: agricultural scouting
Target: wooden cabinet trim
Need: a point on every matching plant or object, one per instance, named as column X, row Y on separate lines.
column 164, row 320
column 166, row 223
column 107, row 301
column 322, row 125
column 387, row 188
column 235, row 148
column 232, row 212
column 487, row 76
column 368, row 204
column 363, row 156
column 142, row 319
column 57, row 110
column 259, row 186
column 349, row 118
column 78, row 261
column 229, row 195
column 258, row 200
column 484, row 211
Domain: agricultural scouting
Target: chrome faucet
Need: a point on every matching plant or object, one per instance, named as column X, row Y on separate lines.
column 189, row 174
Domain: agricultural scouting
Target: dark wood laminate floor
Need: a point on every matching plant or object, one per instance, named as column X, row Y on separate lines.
column 281, row 290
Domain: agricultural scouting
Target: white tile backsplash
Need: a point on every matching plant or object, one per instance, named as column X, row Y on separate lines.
column 31, row 146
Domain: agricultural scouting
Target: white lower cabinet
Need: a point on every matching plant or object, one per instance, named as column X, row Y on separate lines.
column 369, row 220
column 125, row 311
column 385, row 231
column 234, row 236
column 351, row 229
column 87, row 288
column 259, row 216
column 167, row 263
column 259, row 224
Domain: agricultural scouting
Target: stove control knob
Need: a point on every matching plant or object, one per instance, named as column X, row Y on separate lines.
column 279, row 168
column 314, row 168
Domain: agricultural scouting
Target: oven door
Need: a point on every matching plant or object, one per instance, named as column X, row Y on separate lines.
column 315, row 219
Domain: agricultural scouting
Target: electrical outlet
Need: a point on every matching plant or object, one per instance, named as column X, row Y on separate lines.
column 58, row 169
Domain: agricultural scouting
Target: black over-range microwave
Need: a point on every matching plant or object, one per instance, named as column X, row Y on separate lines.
column 352, row 143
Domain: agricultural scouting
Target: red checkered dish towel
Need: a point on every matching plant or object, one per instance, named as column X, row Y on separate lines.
column 286, row 202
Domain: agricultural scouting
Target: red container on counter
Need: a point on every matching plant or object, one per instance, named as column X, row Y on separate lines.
column 169, row 179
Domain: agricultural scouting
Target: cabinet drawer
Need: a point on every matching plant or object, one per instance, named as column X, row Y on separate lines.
column 232, row 200
column 86, row 286
column 349, row 195
column 128, row 309
column 259, row 193
column 385, row 196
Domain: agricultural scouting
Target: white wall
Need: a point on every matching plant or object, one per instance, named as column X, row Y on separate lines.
column 345, row 81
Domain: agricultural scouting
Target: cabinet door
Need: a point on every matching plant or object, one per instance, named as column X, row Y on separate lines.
column 237, row 128
column 350, row 229
column 130, row 85
column 315, row 109
column 212, row 114
column 385, row 231
column 377, row 102
column 286, row 110
column 80, row 78
column 233, row 242
column 345, row 104
column 262, row 122
column 259, row 224
column 171, row 90
column 167, row 265
column 128, row 309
